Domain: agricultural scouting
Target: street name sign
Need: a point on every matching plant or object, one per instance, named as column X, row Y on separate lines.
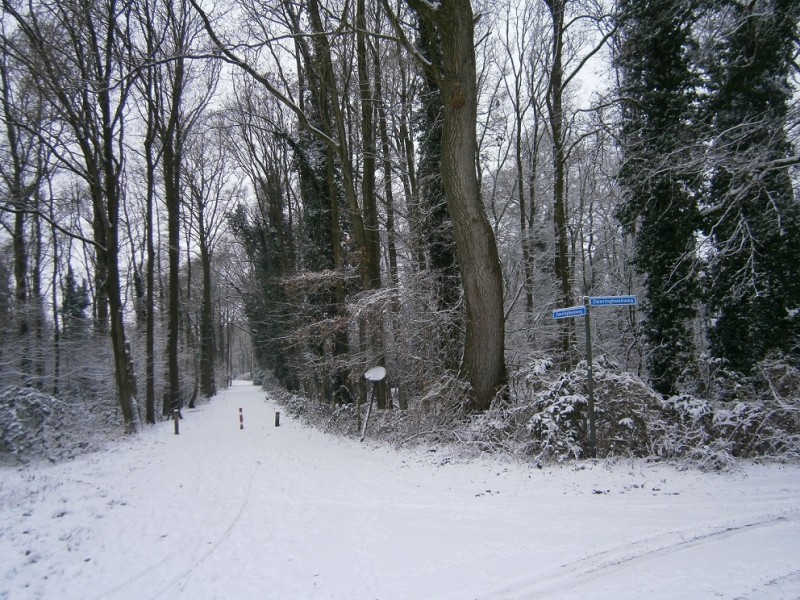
column 572, row 311
column 612, row 300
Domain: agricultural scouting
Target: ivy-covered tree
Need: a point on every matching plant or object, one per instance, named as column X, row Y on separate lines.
column 434, row 227
column 265, row 304
column 658, row 101
column 752, row 213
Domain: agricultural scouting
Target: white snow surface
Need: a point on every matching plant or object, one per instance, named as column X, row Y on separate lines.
column 290, row 512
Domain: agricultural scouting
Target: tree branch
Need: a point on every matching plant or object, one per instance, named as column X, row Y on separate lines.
column 422, row 8
column 230, row 57
column 71, row 234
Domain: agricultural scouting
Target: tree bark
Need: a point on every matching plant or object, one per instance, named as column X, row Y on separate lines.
column 208, row 386
column 483, row 364
column 368, row 138
column 19, row 198
column 172, row 398
column 150, row 343
column 561, row 263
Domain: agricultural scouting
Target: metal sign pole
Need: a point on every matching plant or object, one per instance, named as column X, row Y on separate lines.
column 588, row 322
column 585, row 311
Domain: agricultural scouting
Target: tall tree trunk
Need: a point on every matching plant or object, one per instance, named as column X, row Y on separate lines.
column 410, row 182
column 328, row 81
column 150, row 343
column 368, row 200
column 386, row 163
column 148, row 85
column 124, row 370
column 435, row 225
column 555, row 101
column 484, row 361
column 172, row 394
column 324, row 99
column 172, row 142
column 208, row 386
column 36, row 302
column 54, row 301
column 21, row 293
column 524, row 211
column 19, row 198
column 99, row 233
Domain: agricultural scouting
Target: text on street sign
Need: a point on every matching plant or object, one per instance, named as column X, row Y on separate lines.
column 566, row 313
column 612, row 300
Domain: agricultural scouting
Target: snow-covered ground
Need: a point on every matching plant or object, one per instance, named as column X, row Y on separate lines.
column 288, row 512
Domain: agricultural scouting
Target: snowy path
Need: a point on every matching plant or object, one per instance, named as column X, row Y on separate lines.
column 290, row 513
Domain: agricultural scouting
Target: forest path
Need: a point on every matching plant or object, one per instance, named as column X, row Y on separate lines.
column 289, row 512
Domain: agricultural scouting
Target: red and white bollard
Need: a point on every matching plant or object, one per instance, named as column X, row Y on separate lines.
column 241, row 419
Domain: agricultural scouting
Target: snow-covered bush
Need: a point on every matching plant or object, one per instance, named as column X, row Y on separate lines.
column 543, row 416
column 558, row 422
column 23, row 412
column 37, row 425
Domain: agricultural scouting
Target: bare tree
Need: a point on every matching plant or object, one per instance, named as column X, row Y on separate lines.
column 21, row 173
column 71, row 51
column 521, row 86
column 212, row 186
column 181, row 91
column 563, row 70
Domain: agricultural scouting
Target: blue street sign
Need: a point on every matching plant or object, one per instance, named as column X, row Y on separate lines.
column 612, row 300
column 572, row 311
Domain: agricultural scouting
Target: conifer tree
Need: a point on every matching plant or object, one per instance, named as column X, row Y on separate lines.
column 75, row 301
column 266, row 304
column 658, row 98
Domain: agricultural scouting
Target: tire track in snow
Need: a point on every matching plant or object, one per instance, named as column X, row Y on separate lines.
column 162, row 562
column 789, row 583
column 600, row 563
column 177, row 558
column 183, row 578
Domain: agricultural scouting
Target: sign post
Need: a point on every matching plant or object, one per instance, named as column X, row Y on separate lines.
column 590, row 382
column 585, row 311
column 374, row 375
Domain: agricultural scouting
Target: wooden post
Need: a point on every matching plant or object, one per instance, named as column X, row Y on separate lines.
column 176, row 417
column 241, row 419
column 277, row 419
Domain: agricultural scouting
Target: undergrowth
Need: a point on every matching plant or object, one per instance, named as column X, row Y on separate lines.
column 35, row 425
column 542, row 417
